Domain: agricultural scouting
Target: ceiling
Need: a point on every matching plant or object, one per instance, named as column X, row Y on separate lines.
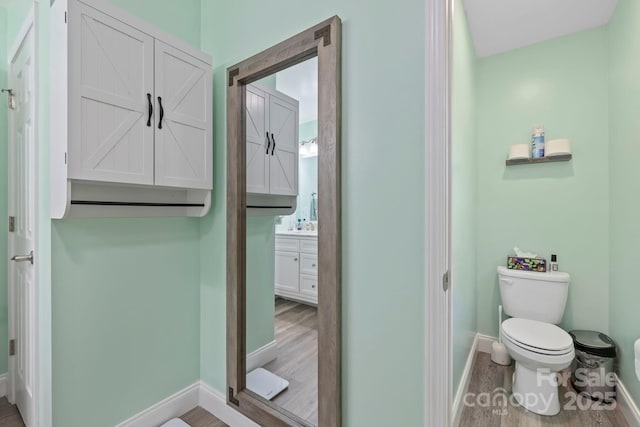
column 301, row 82
column 501, row 25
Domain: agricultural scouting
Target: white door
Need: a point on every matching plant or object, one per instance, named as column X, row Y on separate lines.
column 258, row 141
column 22, row 200
column 184, row 141
column 111, row 88
column 287, row 271
column 283, row 160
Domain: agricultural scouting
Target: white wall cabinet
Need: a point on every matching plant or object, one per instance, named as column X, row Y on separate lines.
column 296, row 268
column 131, row 116
column 272, row 148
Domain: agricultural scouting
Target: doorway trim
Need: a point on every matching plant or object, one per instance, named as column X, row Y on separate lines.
column 324, row 41
column 29, row 24
column 438, row 292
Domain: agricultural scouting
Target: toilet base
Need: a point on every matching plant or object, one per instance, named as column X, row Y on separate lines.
column 536, row 390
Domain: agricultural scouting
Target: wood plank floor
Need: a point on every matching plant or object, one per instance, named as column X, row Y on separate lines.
column 487, row 377
column 296, row 332
column 9, row 415
column 198, row 417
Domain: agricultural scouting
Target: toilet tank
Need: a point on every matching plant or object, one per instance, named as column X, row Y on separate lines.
column 532, row 295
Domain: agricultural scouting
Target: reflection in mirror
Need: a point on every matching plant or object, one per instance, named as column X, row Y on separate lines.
column 282, row 267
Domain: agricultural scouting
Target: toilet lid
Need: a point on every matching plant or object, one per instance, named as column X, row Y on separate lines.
column 540, row 335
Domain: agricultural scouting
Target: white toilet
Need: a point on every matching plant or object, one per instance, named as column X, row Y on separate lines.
column 535, row 302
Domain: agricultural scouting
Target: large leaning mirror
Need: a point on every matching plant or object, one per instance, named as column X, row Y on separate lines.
column 283, row 231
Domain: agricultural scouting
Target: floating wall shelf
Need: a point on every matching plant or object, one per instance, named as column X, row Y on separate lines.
column 563, row 158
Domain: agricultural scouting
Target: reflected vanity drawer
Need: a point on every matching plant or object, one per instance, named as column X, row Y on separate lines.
column 309, row 264
column 309, row 285
column 309, row 246
column 286, row 244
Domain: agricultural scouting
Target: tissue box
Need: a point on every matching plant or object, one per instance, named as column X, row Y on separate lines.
column 527, row 264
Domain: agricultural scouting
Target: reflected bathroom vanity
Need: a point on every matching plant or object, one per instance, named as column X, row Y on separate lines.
column 296, row 266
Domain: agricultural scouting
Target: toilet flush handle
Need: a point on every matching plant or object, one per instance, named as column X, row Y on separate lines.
column 506, row 281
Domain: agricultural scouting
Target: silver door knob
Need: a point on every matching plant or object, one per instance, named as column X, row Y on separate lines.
column 23, row 258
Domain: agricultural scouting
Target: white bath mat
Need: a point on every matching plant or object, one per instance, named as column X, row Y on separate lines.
column 176, row 422
column 265, row 384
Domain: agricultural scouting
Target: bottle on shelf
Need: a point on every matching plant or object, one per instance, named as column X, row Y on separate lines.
column 537, row 142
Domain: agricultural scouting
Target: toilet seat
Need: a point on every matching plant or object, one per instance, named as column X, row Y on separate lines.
column 537, row 337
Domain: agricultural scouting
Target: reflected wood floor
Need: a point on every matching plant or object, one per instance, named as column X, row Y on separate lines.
column 296, row 332
column 198, row 417
column 486, row 377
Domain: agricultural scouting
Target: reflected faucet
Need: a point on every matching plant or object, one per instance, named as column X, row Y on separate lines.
column 313, row 209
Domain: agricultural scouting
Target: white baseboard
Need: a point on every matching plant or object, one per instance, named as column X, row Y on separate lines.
column 485, row 343
column 171, row 407
column 197, row 394
column 262, row 356
column 216, row 403
column 464, row 382
column 627, row 405
column 4, row 382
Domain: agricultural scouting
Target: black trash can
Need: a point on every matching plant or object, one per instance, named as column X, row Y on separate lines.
column 592, row 371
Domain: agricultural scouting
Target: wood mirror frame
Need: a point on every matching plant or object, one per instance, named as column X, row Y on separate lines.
column 324, row 41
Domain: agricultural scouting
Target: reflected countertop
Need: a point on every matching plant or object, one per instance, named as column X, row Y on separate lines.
column 296, row 233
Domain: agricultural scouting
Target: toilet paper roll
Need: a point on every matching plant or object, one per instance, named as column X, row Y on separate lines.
column 519, row 151
column 557, row 147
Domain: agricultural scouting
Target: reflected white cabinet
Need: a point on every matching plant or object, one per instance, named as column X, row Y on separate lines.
column 131, row 109
column 296, row 268
column 272, row 142
column 287, row 271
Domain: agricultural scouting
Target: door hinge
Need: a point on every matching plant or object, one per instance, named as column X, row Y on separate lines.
column 12, row 224
column 445, row 281
column 12, row 347
column 233, row 399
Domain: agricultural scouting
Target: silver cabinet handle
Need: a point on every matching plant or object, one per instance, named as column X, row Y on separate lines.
column 313, row 265
column 23, row 258
column 295, row 259
column 313, row 286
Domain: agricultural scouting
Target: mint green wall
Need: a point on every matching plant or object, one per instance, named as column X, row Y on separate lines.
column 182, row 18
column 624, row 103
column 261, row 247
column 17, row 10
column 308, row 172
column 126, row 322
column 4, row 142
column 464, row 194
column 308, row 130
column 44, row 223
column 125, row 294
column 383, row 264
column 307, row 179
column 560, row 208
